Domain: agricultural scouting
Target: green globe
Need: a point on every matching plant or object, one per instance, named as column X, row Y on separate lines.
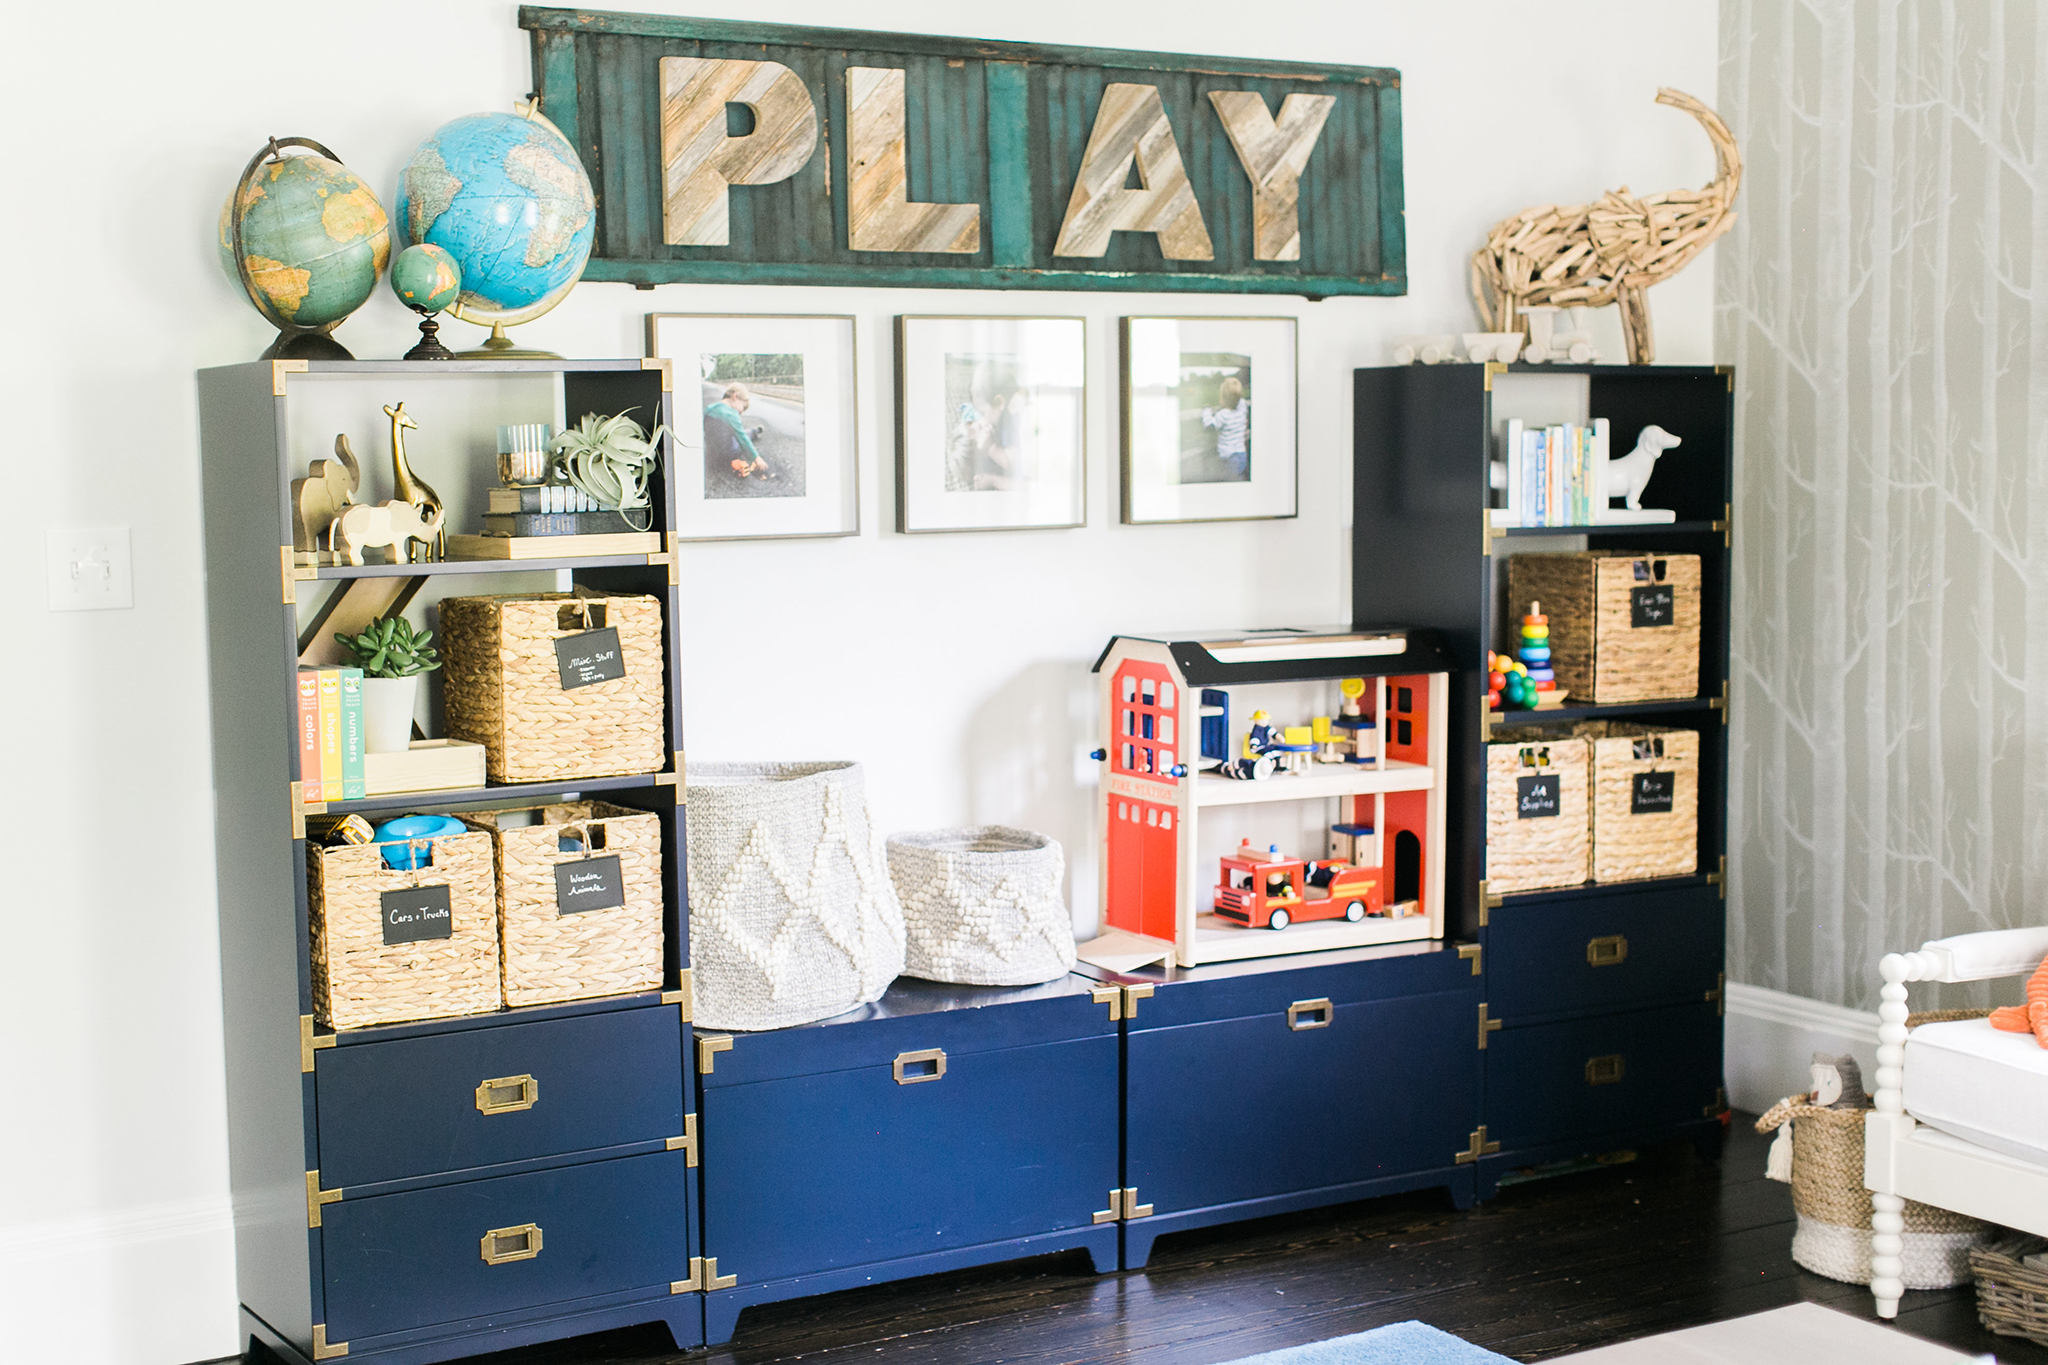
column 314, row 240
column 426, row 278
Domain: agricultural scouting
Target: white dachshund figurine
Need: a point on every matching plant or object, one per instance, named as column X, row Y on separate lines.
column 1629, row 475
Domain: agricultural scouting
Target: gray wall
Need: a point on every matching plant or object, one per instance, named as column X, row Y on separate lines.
column 1884, row 299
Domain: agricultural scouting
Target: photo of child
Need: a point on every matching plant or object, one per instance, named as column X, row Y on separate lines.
column 994, row 438
column 1215, row 404
column 753, row 426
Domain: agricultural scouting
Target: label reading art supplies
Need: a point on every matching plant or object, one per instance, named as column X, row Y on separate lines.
column 1651, row 794
column 589, row 884
column 590, row 657
column 414, row 913
column 1535, row 796
column 1651, row 606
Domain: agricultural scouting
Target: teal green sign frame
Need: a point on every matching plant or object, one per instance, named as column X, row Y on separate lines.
column 1001, row 125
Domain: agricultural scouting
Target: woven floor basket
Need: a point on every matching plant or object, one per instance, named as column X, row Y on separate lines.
column 503, row 686
column 1543, row 850
column 1832, row 1237
column 792, row 914
column 549, row 955
column 1596, row 650
column 982, row 905
column 358, row 979
column 2012, row 1297
column 1629, row 844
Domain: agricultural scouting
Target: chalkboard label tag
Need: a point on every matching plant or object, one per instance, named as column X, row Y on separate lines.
column 589, row 884
column 1535, row 797
column 593, row 656
column 1651, row 606
column 1652, row 794
column 415, row 913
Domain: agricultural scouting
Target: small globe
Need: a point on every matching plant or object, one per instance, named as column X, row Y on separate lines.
column 314, row 240
column 508, row 199
column 425, row 278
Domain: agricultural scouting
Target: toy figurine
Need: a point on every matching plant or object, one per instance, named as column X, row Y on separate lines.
column 1264, row 736
column 1262, row 890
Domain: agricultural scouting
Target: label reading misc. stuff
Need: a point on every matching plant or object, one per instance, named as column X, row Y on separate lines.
column 1535, row 796
column 414, row 913
column 1651, row 606
column 1651, row 793
column 589, row 884
column 593, row 656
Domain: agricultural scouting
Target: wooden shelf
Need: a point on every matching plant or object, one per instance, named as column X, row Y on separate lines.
column 510, row 791
column 1350, row 779
column 461, row 566
column 1629, row 528
column 1562, row 715
column 1218, row 940
column 1588, row 889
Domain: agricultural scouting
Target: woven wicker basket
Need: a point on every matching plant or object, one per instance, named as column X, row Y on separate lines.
column 1632, row 836
column 358, row 979
column 2012, row 1297
column 550, row 954
column 1528, row 851
column 1592, row 601
column 1832, row 1235
column 982, row 906
column 504, row 690
column 792, row 914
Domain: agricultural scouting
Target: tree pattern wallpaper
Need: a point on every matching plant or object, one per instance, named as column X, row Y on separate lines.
column 1884, row 300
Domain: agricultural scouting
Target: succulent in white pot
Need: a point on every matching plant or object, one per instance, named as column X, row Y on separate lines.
column 392, row 656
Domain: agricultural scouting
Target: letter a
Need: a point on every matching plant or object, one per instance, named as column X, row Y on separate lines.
column 879, row 214
column 699, row 159
column 1131, row 125
column 1273, row 155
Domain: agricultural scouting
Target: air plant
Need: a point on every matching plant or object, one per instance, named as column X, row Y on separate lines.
column 612, row 460
column 391, row 648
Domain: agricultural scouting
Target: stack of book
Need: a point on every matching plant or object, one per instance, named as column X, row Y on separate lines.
column 1553, row 474
column 529, row 523
column 331, row 735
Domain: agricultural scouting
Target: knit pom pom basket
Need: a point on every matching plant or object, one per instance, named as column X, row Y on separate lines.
column 792, row 914
column 982, row 905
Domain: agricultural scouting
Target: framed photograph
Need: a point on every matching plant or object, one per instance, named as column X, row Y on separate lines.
column 1209, row 419
column 765, row 429
column 990, row 423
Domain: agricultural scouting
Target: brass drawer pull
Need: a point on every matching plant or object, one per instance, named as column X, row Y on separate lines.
column 507, row 1094
column 511, row 1244
column 912, row 1067
column 1609, row 951
column 1606, row 1070
column 1306, row 1014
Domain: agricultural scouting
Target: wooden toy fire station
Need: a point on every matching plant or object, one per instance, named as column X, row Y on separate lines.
column 1357, row 725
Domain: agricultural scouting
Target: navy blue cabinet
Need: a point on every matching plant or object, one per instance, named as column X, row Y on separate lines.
column 943, row 1126
column 1259, row 1087
column 1550, row 958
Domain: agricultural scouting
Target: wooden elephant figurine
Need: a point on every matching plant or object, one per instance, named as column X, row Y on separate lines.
column 396, row 524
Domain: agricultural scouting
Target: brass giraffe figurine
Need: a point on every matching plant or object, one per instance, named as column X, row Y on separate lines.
column 410, row 486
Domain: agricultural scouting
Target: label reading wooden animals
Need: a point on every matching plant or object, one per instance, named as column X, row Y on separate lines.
column 413, row 914
column 1651, row 606
column 759, row 153
column 591, row 656
column 589, row 884
column 1651, row 793
column 1536, row 797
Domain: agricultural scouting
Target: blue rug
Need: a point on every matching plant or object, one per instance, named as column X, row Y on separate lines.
column 1400, row 1343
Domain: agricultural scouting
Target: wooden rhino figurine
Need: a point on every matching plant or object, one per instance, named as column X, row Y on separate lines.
column 396, row 524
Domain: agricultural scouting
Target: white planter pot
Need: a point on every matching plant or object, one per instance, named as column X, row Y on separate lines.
column 387, row 713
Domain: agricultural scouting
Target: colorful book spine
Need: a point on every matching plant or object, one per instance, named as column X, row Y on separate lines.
column 310, row 788
column 352, row 785
column 330, row 734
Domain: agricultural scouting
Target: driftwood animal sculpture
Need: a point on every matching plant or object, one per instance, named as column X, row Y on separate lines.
column 1608, row 251
column 396, row 524
column 317, row 499
column 1629, row 475
column 410, row 486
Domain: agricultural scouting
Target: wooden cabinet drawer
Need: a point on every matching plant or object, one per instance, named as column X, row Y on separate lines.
column 411, row 1106
column 1552, row 1083
column 1604, row 952
column 401, row 1262
column 1249, row 1108
column 854, row 1142
column 1265, row 986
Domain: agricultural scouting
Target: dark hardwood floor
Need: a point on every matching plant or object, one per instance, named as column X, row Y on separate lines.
column 1548, row 1267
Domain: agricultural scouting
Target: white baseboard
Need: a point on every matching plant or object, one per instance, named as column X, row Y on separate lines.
column 151, row 1285
column 1772, row 1036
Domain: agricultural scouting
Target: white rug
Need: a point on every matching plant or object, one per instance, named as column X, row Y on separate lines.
column 1804, row 1334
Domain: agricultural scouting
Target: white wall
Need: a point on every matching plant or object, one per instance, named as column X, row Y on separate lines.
column 955, row 666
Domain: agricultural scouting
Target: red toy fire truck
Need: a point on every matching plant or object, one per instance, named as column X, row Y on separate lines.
column 1267, row 891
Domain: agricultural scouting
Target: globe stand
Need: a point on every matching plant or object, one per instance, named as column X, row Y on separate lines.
column 305, row 343
column 429, row 347
column 498, row 346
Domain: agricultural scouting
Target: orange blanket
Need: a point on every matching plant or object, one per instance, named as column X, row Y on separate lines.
column 2031, row 1017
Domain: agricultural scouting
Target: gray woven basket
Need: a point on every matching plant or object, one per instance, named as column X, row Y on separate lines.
column 792, row 915
column 982, row 905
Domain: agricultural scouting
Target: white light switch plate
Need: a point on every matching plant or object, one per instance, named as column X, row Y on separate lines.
column 89, row 570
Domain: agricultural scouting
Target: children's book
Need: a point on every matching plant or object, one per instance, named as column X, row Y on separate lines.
column 352, row 788
column 310, row 788
column 330, row 734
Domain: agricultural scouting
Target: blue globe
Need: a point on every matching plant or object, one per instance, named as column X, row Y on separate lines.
column 508, row 198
